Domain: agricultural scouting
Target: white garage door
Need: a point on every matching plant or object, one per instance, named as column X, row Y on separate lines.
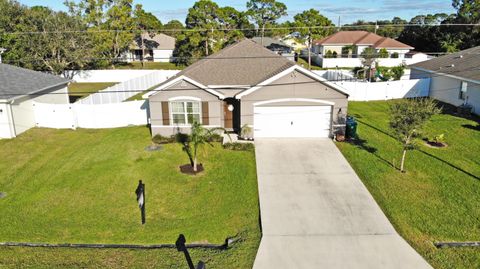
column 292, row 121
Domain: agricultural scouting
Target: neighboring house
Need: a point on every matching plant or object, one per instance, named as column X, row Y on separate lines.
column 158, row 48
column 294, row 41
column 246, row 84
column 343, row 49
column 454, row 78
column 276, row 46
column 19, row 88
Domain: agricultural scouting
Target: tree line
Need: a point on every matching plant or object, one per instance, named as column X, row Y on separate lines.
column 95, row 33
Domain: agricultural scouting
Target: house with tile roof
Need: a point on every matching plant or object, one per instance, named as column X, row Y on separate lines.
column 20, row 88
column 454, row 78
column 247, row 84
column 343, row 49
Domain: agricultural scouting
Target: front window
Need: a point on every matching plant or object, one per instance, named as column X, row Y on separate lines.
column 185, row 113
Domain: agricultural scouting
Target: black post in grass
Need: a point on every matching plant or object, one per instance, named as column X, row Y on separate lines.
column 180, row 244
column 140, row 191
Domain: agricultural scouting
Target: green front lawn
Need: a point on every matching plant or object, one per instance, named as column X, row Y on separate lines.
column 78, row 187
column 438, row 198
column 82, row 89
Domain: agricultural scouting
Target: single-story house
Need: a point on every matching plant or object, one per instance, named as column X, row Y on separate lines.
column 247, row 84
column 19, row 89
column 454, row 78
column 276, row 46
column 343, row 49
column 157, row 48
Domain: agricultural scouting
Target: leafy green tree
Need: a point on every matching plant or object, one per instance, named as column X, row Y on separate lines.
column 173, row 28
column 328, row 54
column 57, row 49
column 56, row 46
column 12, row 18
column 215, row 27
column 307, row 24
column 234, row 24
column 397, row 72
column 468, row 12
column 407, row 118
column 264, row 12
column 427, row 33
column 204, row 15
column 383, row 53
column 110, row 24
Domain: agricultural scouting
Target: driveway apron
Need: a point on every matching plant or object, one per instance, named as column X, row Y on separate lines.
column 316, row 213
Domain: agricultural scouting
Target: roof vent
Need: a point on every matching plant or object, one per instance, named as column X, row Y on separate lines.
column 452, row 65
column 461, row 56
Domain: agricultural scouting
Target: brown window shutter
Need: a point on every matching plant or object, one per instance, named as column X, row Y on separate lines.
column 165, row 113
column 205, row 118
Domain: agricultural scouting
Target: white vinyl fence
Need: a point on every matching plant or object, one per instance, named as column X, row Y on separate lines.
column 72, row 116
column 127, row 89
column 335, row 75
column 111, row 75
column 371, row 91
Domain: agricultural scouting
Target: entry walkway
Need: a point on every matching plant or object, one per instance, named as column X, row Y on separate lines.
column 316, row 213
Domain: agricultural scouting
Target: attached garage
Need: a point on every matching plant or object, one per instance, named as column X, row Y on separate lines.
column 250, row 86
column 293, row 121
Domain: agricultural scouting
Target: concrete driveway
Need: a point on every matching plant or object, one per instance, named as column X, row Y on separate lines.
column 316, row 213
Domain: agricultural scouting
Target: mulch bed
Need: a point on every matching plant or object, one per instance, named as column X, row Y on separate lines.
column 435, row 145
column 188, row 169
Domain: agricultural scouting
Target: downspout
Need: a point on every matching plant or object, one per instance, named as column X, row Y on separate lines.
column 13, row 132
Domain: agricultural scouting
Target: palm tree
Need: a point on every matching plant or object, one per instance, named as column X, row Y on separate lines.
column 198, row 136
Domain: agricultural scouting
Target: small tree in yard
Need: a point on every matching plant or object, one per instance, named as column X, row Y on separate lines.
column 198, row 136
column 407, row 118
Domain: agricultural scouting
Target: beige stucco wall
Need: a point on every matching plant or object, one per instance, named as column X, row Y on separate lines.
column 185, row 89
column 23, row 115
column 295, row 85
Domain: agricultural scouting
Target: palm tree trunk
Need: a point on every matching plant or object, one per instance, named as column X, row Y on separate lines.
column 403, row 161
column 195, row 164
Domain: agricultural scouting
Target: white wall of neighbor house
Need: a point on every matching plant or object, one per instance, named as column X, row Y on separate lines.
column 163, row 56
column 6, row 128
column 447, row 89
column 23, row 110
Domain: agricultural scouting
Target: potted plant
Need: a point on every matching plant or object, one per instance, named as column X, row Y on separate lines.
column 246, row 132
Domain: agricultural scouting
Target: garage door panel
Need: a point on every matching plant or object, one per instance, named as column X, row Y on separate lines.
column 292, row 121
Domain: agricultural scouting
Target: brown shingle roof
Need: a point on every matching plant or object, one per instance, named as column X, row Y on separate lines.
column 465, row 64
column 243, row 63
column 361, row 38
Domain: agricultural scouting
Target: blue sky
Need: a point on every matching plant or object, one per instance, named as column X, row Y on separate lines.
column 348, row 10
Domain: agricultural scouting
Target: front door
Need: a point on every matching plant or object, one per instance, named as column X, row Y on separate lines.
column 227, row 116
